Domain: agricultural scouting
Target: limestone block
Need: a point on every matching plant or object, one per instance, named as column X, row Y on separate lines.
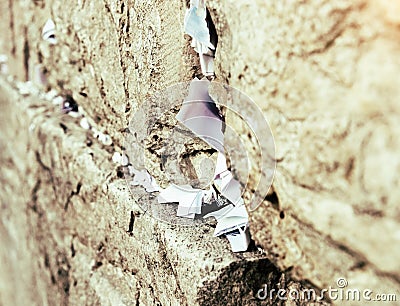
column 325, row 75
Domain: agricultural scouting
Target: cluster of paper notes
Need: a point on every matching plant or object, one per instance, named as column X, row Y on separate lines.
column 200, row 114
column 195, row 25
column 232, row 219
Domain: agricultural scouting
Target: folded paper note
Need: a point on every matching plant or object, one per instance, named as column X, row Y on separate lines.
column 189, row 199
column 195, row 25
column 49, row 32
column 239, row 239
column 200, row 114
column 207, row 64
column 226, row 184
column 232, row 220
column 219, row 212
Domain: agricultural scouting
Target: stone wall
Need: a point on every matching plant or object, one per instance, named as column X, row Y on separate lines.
column 325, row 74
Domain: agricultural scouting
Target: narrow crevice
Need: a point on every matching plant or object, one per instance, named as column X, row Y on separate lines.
column 212, row 30
column 73, row 251
column 274, row 200
column 64, row 127
column 26, row 54
column 34, row 199
column 12, row 27
column 131, row 223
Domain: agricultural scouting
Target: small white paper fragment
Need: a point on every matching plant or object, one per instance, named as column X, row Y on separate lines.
column 74, row 114
column 200, row 114
column 207, row 64
column 117, row 157
column 49, row 32
column 121, row 159
column 124, row 160
column 144, row 179
column 84, row 124
column 239, row 239
column 105, row 139
column 3, row 64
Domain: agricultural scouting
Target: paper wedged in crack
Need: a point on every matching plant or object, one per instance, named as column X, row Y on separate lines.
column 196, row 26
column 49, row 32
column 189, row 199
column 200, row 114
column 219, row 213
column 226, row 184
column 239, row 239
column 207, row 64
column 232, row 220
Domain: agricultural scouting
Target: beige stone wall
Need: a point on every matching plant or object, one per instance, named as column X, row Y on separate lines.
column 325, row 74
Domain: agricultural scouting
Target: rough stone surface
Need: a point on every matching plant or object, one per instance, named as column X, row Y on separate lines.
column 72, row 231
column 324, row 73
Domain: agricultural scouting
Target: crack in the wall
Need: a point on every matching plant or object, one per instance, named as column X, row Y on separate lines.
column 131, row 223
column 123, row 23
column 169, row 263
column 12, row 27
column 72, row 194
column 26, row 54
column 34, row 199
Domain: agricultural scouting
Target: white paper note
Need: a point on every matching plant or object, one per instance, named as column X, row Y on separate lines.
column 49, row 32
column 239, row 239
column 207, row 64
column 189, row 199
column 232, row 220
column 199, row 114
column 196, row 26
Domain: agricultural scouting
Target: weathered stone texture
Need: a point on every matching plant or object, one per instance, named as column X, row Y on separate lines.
column 325, row 74
column 66, row 220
